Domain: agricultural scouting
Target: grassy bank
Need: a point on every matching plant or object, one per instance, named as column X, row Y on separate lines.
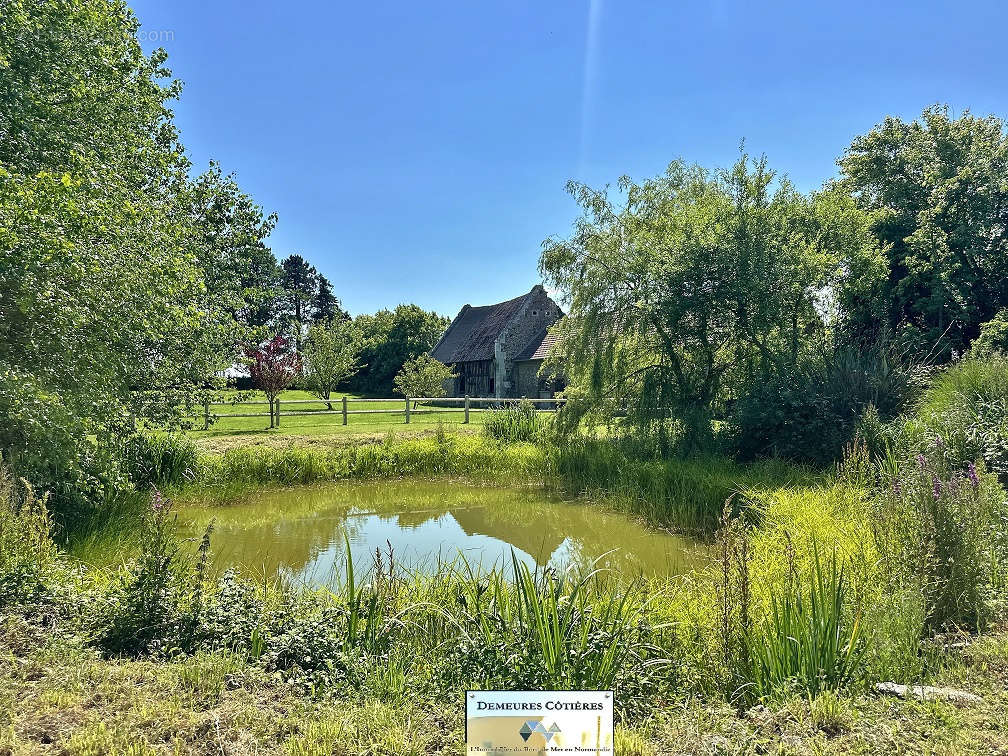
column 685, row 495
column 57, row 697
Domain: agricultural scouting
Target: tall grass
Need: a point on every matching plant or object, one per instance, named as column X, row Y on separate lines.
column 685, row 495
column 803, row 641
column 28, row 555
column 517, row 423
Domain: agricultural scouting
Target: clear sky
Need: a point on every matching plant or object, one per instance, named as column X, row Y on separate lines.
column 418, row 151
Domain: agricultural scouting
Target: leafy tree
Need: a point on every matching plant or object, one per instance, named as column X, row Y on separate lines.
column 273, row 367
column 241, row 274
column 423, row 376
column 300, row 282
column 390, row 338
column 696, row 285
column 330, row 356
column 325, row 306
column 993, row 338
column 937, row 190
column 100, row 293
column 77, row 90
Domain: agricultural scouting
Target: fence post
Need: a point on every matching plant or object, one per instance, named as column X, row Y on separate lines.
column 206, row 414
column 344, row 410
column 466, row 409
column 278, row 412
column 407, row 409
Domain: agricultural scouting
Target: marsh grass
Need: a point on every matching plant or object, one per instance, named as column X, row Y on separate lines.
column 517, row 423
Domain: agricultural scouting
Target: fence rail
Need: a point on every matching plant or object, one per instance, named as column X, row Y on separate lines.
column 408, row 407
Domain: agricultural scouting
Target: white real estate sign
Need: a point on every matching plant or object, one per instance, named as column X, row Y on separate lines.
column 502, row 722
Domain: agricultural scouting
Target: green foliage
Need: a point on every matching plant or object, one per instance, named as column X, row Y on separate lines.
column 966, row 407
column 517, row 423
column 160, row 460
column 936, row 190
column 144, row 602
column 390, row 338
column 941, row 525
column 423, row 376
column 812, row 410
column 330, row 356
column 993, row 338
column 240, row 272
column 697, row 283
column 802, row 642
column 28, row 555
column 101, row 287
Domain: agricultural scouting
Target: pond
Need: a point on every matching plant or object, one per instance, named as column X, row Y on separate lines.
column 301, row 533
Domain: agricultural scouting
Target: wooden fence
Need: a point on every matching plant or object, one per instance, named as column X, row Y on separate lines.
column 407, row 407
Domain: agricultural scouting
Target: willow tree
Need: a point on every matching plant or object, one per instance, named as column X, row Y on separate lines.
column 693, row 284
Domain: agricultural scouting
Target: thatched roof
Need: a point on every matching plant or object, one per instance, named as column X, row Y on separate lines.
column 471, row 335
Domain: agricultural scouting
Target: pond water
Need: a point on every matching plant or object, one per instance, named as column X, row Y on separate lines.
column 301, row 533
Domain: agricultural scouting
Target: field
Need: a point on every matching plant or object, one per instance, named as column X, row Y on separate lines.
column 302, row 413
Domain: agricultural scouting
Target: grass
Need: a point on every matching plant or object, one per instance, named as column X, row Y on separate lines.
column 59, row 698
column 306, row 420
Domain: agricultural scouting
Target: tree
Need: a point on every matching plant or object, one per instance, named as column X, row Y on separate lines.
column 390, row 338
column 423, row 376
column 696, row 285
column 936, row 188
column 330, row 357
column 103, row 310
column 273, row 367
column 300, row 282
column 241, row 274
column 325, row 306
column 993, row 338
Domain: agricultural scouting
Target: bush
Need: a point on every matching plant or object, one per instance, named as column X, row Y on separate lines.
column 516, row 423
column 943, row 526
column 146, row 600
column 808, row 413
column 967, row 408
column 27, row 552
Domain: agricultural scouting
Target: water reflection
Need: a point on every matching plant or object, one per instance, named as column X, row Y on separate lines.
column 301, row 533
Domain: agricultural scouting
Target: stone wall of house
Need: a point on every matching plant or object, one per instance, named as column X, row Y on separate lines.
column 526, row 375
column 539, row 313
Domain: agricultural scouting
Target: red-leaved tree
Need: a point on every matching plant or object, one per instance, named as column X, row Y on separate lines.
column 273, row 366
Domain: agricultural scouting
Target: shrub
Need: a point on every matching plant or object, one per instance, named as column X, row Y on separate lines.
column 993, row 337
column 942, row 525
column 145, row 601
column 967, row 407
column 27, row 552
column 810, row 411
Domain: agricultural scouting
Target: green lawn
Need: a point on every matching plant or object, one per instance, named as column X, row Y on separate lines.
column 302, row 415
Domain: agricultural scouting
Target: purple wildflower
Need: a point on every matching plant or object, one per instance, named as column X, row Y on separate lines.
column 920, row 461
column 971, row 473
column 937, row 489
column 158, row 501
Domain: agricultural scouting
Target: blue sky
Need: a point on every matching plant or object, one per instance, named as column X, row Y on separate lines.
column 418, row 152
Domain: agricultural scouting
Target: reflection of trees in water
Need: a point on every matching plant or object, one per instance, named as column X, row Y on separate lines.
column 295, row 527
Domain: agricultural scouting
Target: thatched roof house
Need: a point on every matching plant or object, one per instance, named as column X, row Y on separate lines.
column 497, row 349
